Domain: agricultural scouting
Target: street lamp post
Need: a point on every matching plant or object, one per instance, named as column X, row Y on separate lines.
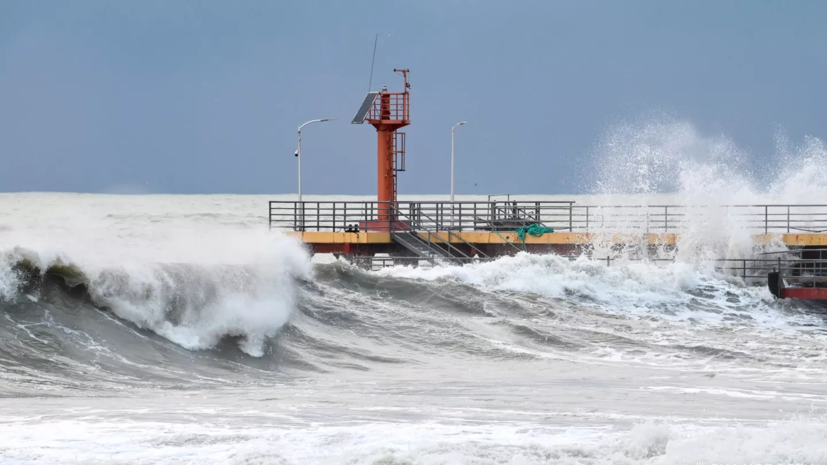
column 453, row 130
column 299, row 150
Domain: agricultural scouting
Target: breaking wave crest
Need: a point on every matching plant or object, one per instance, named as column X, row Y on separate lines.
column 195, row 305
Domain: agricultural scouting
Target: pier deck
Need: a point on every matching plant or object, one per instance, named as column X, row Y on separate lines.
column 460, row 231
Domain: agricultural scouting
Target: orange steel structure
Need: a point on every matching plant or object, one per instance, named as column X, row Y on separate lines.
column 390, row 112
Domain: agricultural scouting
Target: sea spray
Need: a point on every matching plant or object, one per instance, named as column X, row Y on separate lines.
column 643, row 163
column 650, row 156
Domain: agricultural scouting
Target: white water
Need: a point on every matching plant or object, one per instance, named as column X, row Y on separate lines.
column 790, row 442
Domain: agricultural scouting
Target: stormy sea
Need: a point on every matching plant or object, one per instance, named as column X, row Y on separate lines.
column 172, row 329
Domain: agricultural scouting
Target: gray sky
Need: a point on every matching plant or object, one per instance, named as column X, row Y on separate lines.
column 203, row 96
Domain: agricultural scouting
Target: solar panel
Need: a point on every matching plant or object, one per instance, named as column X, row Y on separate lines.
column 365, row 108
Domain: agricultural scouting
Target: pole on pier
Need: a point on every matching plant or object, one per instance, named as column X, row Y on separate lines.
column 299, row 149
column 453, row 130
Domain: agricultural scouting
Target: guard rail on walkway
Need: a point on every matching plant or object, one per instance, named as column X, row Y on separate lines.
column 560, row 215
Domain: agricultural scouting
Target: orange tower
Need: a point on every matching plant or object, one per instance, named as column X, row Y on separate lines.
column 388, row 112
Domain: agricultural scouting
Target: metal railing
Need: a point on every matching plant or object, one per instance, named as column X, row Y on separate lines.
column 390, row 106
column 777, row 218
column 801, row 267
column 386, row 262
column 429, row 216
column 560, row 215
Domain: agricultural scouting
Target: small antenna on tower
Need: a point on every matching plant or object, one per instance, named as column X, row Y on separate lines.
column 373, row 60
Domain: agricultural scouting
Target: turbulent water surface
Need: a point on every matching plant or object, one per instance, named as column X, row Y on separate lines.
column 178, row 330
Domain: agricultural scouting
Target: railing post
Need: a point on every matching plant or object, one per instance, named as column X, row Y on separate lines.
column 766, row 219
column 390, row 222
column 788, row 219
column 647, row 219
column 666, row 218
column 587, row 218
column 571, row 215
column 414, row 214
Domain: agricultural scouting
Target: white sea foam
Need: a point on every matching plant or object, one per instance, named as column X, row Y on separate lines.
column 138, row 442
column 622, row 287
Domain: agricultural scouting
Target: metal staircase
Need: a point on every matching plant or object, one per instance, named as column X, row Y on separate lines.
column 424, row 250
column 435, row 247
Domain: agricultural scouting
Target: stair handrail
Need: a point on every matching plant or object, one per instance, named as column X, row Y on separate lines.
column 450, row 234
column 430, row 233
column 479, row 252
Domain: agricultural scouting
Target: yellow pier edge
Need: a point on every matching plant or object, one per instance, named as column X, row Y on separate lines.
column 558, row 238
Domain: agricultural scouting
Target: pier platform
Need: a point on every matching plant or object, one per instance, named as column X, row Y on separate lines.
column 457, row 232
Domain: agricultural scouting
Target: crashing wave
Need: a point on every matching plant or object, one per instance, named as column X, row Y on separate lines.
column 193, row 305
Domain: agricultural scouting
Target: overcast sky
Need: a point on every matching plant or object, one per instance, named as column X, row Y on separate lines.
column 203, row 96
